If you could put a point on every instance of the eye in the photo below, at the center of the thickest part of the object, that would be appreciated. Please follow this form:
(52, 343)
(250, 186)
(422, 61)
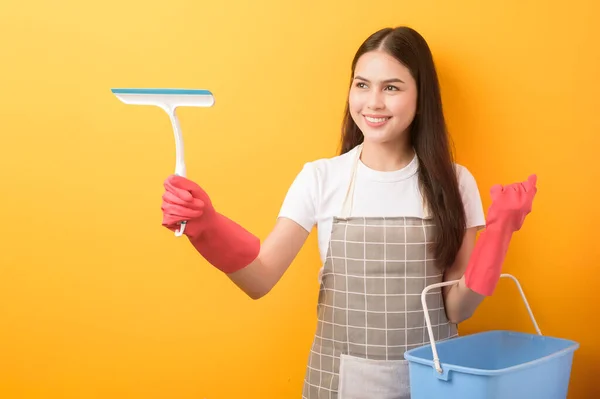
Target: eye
(392, 88)
(361, 85)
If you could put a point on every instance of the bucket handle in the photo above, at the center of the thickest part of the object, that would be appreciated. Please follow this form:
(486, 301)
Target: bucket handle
(436, 359)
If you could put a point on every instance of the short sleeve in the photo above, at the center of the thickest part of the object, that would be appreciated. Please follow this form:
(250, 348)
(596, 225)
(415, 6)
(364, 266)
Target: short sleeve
(471, 198)
(300, 203)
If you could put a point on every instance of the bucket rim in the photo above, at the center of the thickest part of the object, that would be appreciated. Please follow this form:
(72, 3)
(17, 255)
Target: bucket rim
(408, 355)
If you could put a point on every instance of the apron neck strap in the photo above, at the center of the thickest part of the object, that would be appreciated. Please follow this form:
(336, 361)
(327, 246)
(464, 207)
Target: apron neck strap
(348, 200)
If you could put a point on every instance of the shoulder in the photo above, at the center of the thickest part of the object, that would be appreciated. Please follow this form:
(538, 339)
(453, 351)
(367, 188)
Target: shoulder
(314, 186)
(333, 164)
(329, 170)
(464, 176)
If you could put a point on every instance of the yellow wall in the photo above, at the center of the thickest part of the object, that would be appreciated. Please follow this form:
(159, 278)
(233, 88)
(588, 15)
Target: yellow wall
(97, 300)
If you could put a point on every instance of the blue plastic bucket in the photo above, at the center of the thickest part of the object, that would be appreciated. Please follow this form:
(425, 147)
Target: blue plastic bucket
(491, 365)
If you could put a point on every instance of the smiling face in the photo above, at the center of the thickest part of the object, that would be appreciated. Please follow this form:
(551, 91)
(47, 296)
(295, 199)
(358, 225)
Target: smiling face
(383, 97)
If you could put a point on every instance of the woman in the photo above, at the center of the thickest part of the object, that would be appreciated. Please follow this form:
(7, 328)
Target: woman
(394, 214)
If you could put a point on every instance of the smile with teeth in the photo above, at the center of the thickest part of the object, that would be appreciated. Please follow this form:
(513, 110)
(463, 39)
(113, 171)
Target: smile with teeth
(376, 120)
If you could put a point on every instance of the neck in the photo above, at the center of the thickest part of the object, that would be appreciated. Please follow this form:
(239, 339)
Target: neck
(386, 157)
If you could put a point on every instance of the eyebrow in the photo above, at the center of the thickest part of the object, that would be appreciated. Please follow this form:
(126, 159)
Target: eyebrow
(385, 81)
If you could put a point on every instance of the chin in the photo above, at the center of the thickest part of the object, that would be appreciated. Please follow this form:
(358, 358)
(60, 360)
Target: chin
(378, 137)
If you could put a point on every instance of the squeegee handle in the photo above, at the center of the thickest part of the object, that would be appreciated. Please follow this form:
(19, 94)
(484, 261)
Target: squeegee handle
(179, 155)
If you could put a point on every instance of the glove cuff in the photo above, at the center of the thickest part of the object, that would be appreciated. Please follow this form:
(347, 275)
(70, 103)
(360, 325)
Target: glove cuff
(226, 245)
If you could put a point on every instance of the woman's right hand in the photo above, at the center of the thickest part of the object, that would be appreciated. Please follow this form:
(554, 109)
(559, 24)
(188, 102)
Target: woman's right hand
(221, 241)
(184, 200)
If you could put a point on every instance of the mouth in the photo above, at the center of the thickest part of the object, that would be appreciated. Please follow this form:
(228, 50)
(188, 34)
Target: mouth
(376, 120)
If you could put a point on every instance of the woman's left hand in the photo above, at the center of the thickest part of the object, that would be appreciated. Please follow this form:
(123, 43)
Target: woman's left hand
(511, 204)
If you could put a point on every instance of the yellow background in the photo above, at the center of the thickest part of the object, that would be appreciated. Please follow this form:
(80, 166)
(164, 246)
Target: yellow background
(97, 300)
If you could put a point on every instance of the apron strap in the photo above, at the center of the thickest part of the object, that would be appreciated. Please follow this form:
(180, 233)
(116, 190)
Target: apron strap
(348, 200)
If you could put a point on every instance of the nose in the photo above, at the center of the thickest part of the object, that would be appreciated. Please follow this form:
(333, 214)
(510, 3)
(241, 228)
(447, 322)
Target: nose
(375, 100)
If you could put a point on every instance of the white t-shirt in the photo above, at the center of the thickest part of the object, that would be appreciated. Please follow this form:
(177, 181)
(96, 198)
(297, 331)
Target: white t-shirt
(318, 192)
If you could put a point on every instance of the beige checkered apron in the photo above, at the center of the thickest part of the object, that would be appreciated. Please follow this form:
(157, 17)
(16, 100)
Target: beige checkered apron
(369, 306)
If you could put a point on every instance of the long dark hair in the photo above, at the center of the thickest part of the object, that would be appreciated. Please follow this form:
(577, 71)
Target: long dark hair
(428, 136)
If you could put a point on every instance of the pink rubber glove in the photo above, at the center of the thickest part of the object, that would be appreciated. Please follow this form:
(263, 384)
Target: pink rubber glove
(510, 205)
(222, 242)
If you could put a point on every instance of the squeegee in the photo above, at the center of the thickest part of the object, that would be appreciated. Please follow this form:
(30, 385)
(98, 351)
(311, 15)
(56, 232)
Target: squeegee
(169, 100)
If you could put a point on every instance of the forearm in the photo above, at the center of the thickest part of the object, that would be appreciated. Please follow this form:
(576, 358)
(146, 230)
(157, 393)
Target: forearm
(485, 263)
(276, 255)
(485, 259)
(461, 302)
(257, 279)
